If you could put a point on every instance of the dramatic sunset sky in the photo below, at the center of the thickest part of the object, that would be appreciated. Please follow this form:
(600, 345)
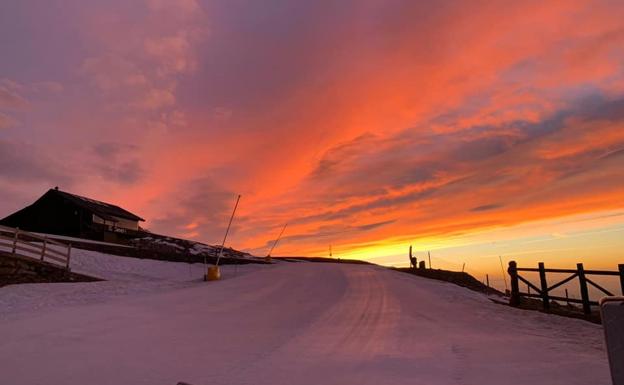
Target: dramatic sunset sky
(472, 129)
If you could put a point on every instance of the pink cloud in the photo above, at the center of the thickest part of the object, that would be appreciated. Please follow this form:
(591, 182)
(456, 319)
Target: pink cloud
(10, 97)
(6, 121)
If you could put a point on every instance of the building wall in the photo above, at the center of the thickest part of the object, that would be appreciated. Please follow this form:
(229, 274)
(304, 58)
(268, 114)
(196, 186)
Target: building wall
(100, 221)
(127, 224)
(118, 223)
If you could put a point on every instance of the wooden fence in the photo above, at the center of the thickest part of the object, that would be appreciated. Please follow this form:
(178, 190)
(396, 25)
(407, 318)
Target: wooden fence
(543, 290)
(25, 244)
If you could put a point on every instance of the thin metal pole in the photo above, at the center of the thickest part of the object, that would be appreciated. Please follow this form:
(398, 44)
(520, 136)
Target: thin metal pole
(503, 270)
(226, 232)
(429, 253)
(277, 240)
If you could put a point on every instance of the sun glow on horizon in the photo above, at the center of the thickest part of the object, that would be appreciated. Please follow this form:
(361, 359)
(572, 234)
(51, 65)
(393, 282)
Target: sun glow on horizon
(528, 243)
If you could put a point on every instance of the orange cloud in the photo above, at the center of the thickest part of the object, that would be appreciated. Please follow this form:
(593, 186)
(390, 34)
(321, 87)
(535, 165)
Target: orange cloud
(359, 123)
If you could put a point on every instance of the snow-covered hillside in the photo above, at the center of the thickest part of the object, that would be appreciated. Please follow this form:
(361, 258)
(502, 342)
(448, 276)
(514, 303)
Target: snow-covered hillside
(291, 323)
(123, 276)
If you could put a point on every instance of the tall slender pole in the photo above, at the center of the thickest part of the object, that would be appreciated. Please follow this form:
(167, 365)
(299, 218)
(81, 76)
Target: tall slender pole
(277, 240)
(429, 253)
(226, 232)
(330, 253)
(503, 270)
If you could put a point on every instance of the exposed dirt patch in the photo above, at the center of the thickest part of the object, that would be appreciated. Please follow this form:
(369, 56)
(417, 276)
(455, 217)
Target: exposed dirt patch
(17, 269)
(457, 277)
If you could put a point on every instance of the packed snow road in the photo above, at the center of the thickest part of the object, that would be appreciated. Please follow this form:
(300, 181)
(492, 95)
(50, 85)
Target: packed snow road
(296, 323)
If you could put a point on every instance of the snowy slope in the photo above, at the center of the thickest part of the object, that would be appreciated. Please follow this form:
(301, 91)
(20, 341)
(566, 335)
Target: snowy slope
(290, 323)
(123, 276)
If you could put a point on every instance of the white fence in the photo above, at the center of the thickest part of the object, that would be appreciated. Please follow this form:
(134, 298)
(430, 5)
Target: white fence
(25, 244)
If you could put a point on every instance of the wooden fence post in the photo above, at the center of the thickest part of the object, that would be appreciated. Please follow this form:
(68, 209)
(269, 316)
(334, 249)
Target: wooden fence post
(68, 255)
(514, 299)
(567, 298)
(15, 240)
(583, 285)
(621, 269)
(544, 286)
(43, 249)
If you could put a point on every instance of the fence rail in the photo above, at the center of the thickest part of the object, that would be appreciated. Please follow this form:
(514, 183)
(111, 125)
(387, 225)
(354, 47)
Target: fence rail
(26, 244)
(543, 291)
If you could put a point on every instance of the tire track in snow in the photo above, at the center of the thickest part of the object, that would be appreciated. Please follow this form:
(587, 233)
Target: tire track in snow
(359, 326)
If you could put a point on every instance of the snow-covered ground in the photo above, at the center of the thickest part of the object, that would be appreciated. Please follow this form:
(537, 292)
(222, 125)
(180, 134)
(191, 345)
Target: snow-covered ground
(122, 276)
(290, 323)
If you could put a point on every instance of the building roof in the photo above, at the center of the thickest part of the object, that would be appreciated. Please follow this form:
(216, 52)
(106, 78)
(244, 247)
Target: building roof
(104, 210)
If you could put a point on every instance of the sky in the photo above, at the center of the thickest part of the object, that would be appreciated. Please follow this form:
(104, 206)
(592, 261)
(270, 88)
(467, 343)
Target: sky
(472, 129)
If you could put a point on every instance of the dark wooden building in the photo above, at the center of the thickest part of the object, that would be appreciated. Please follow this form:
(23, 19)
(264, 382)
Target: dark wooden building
(61, 213)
